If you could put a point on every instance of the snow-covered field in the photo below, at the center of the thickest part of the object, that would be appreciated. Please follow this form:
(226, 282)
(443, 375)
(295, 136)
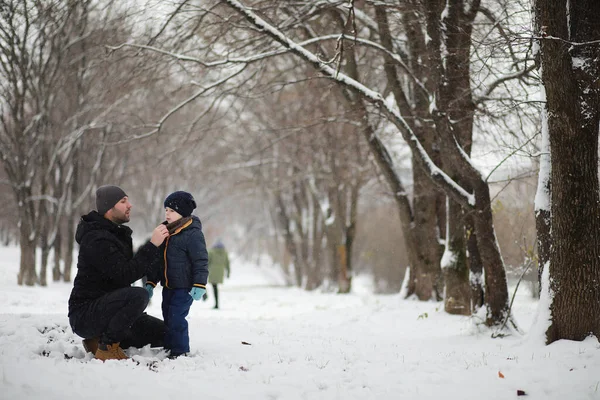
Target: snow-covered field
(302, 346)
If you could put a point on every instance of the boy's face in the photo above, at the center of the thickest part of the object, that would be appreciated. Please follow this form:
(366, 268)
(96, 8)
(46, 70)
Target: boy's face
(172, 215)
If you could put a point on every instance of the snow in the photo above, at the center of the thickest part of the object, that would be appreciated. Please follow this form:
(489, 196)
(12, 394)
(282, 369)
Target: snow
(543, 199)
(542, 319)
(448, 258)
(303, 345)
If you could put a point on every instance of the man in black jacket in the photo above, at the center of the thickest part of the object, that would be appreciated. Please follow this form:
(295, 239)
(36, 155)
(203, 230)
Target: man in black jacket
(104, 308)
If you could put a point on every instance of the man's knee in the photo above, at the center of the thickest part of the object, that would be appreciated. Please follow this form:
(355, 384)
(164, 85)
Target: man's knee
(138, 298)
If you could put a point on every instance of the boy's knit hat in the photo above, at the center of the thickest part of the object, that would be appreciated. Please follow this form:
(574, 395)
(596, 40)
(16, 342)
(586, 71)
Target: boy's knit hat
(182, 202)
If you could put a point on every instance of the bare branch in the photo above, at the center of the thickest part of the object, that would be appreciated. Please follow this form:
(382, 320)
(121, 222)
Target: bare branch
(170, 113)
(439, 177)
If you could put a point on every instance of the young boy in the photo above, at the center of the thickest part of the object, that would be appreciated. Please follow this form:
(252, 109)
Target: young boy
(184, 272)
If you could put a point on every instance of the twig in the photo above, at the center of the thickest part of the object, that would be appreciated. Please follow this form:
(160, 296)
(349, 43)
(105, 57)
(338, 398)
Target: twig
(512, 300)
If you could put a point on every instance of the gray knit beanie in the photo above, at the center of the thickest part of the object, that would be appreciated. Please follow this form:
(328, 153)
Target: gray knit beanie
(107, 196)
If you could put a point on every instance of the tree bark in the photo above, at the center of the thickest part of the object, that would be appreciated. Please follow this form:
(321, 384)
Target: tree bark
(570, 73)
(57, 257)
(27, 274)
(422, 233)
(45, 249)
(454, 264)
(425, 275)
(475, 267)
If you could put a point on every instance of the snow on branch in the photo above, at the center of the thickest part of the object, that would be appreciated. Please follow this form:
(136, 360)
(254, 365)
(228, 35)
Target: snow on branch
(277, 52)
(458, 193)
(549, 37)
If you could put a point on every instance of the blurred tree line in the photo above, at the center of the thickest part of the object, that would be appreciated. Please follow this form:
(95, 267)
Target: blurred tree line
(284, 150)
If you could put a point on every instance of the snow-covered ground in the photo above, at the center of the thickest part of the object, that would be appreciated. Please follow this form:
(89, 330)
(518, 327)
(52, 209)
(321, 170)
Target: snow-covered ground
(301, 346)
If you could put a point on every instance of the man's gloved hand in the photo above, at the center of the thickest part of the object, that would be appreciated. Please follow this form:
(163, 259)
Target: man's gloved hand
(197, 293)
(150, 290)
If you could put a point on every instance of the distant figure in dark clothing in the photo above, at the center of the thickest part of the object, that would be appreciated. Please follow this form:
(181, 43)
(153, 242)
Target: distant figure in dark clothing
(104, 308)
(218, 266)
(184, 272)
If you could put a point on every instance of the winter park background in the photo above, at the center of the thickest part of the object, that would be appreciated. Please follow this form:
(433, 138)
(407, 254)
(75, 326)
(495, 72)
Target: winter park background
(408, 189)
(303, 345)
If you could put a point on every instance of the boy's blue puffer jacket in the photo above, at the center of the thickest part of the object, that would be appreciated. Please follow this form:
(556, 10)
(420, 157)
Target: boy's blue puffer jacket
(185, 261)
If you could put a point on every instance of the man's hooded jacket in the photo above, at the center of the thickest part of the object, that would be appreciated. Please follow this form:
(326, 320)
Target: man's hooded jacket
(106, 261)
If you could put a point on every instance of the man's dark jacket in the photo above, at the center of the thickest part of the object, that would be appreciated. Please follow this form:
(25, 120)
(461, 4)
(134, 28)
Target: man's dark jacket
(106, 261)
(184, 257)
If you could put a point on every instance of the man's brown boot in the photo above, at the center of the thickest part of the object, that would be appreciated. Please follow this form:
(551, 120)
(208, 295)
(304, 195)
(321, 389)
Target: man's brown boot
(110, 352)
(91, 345)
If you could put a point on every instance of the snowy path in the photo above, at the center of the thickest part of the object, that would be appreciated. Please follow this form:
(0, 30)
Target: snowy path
(302, 346)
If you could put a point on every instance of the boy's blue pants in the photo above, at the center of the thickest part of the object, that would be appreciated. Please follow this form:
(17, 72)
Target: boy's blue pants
(175, 307)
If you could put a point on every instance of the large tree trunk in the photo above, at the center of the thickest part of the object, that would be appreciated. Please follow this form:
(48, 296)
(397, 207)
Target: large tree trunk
(570, 78)
(575, 254)
(496, 289)
(400, 195)
(425, 275)
(419, 224)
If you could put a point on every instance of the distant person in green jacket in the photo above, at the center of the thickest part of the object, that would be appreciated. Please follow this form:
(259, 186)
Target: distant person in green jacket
(218, 266)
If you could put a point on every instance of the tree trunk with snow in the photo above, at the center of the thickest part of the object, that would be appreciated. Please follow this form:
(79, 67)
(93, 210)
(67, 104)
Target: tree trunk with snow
(425, 276)
(450, 24)
(496, 289)
(420, 230)
(569, 54)
(454, 264)
(543, 201)
(350, 227)
(476, 280)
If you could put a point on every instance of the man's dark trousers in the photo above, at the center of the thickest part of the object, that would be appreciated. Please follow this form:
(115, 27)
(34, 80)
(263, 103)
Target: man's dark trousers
(119, 317)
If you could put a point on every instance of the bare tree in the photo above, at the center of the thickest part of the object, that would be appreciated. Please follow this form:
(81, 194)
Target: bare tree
(441, 107)
(433, 109)
(34, 38)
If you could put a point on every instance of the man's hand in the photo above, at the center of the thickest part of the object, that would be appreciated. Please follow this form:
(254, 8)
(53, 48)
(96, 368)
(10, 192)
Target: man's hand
(159, 235)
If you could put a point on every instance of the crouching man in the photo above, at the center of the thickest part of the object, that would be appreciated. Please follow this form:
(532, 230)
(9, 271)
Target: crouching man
(104, 308)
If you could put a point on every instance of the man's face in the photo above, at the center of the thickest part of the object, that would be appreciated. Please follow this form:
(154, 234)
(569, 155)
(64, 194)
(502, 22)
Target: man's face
(119, 214)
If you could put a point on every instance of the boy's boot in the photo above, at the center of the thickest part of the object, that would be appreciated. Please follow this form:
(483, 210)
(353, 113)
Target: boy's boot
(91, 345)
(175, 356)
(110, 352)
